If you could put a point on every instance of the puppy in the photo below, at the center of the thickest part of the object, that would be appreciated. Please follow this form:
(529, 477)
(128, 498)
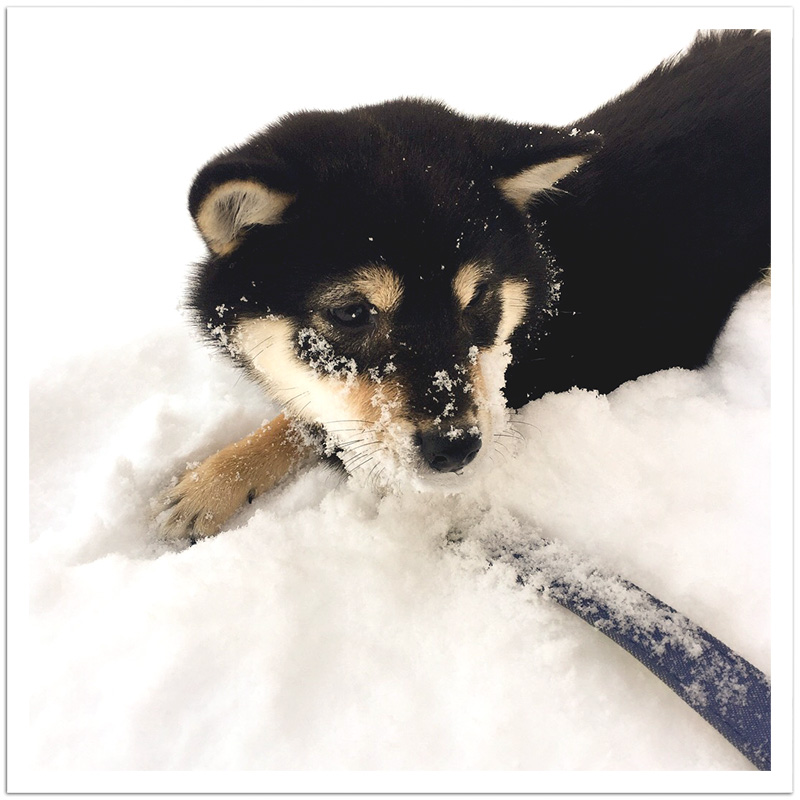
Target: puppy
(396, 275)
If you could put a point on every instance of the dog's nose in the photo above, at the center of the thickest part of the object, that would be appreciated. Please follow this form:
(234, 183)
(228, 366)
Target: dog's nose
(448, 453)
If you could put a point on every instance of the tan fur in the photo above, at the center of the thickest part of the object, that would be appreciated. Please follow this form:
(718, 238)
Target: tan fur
(378, 427)
(234, 205)
(480, 392)
(380, 286)
(207, 495)
(354, 409)
(514, 296)
(374, 283)
(268, 344)
(466, 282)
(520, 188)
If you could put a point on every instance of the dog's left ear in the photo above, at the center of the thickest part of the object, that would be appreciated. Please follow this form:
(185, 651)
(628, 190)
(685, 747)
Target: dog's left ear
(521, 188)
(530, 168)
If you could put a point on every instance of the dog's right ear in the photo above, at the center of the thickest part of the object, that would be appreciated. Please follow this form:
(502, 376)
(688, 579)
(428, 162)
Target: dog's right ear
(226, 203)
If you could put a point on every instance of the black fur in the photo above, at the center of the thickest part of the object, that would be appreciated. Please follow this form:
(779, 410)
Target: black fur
(409, 184)
(662, 231)
(651, 241)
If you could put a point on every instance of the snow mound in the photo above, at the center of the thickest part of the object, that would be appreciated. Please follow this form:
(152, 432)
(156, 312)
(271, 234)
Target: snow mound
(330, 628)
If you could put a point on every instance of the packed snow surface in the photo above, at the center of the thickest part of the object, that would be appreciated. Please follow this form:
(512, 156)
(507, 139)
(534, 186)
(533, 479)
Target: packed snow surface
(329, 627)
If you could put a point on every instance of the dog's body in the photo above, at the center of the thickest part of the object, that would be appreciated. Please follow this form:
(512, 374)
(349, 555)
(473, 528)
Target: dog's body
(371, 267)
(661, 231)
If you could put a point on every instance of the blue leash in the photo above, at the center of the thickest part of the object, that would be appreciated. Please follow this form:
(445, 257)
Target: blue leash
(727, 691)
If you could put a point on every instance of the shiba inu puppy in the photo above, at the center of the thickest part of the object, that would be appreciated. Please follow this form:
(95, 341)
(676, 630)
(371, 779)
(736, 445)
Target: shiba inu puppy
(396, 275)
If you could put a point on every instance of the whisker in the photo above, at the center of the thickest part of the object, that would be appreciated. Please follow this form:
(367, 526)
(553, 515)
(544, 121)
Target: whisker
(377, 464)
(297, 396)
(374, 440)
(253, 357)
(348, 462)
(299, 413)
(249, 354)
(520, 422)
(365, 459)
(503, 446)
(511, 435)
(359, 446)
(515, 440)
(503, 456)
(353, 442)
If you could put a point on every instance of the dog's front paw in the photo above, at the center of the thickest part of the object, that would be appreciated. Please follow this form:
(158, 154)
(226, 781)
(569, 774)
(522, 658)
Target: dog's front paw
(210, 493)
(201, 502)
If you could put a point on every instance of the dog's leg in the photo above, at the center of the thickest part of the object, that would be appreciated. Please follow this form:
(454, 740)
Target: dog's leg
(207, 495)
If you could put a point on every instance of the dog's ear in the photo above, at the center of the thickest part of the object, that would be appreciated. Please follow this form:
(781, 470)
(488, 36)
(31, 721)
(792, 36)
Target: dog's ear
(227, 199)
(533, 159)
(523, 186)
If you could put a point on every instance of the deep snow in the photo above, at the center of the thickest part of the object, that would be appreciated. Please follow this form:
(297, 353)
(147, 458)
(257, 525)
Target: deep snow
(329, 628)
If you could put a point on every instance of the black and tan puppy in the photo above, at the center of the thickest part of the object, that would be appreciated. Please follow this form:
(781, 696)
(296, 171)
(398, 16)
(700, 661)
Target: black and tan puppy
(378, 269)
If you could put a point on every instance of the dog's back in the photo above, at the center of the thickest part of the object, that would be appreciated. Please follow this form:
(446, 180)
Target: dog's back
(664, 228)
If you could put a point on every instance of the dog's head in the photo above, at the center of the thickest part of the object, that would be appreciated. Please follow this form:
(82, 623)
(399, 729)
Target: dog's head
(369, 266)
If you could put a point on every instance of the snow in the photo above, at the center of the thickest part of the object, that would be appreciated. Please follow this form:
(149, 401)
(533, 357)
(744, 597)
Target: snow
(330, 628)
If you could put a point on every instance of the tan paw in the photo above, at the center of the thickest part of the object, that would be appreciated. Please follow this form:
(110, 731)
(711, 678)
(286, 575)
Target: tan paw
(201, 502)
(210, 493)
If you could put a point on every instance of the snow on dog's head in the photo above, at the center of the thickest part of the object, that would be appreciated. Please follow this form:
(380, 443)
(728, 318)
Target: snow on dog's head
(369, 267)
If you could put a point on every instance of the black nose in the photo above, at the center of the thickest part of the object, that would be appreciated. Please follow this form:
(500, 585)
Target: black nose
(449, 453)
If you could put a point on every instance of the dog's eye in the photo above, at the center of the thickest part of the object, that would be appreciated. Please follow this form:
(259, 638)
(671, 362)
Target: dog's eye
(480, 293)
(353, 315)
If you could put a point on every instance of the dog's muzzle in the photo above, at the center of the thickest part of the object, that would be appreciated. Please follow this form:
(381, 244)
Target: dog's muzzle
(448, 453)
